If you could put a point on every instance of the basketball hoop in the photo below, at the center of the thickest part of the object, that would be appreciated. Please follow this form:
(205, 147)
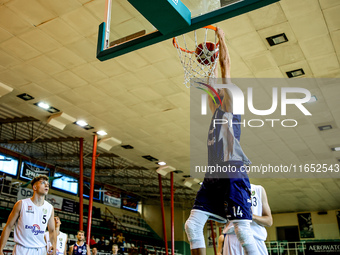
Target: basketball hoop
(198, 59)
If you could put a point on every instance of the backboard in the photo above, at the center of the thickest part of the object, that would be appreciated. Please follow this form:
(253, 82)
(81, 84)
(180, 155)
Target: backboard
(133, 24)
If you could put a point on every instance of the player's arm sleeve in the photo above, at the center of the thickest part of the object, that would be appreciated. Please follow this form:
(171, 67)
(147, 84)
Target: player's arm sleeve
(266, 219)
(220, 245)
(10, 224)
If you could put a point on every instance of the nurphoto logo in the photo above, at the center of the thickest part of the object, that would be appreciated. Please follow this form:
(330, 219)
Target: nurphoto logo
(238, 103)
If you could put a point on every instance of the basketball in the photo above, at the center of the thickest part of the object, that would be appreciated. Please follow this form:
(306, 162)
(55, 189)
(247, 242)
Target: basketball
(206, 53)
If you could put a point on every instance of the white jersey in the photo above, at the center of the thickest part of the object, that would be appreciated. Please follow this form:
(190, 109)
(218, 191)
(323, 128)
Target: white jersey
(61, 242)
(31, 225)
(259, 232)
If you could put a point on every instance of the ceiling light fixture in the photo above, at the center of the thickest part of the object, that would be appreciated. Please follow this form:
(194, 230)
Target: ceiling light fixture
(101, 132)
(53, 110)
(336, 148)
(277, 39)
(43, 105)
(161, 163)
(47, 107)
(83, 124)
(127, 146)
(150, 158)
(25, 97)
(295, 73)
(325, 127)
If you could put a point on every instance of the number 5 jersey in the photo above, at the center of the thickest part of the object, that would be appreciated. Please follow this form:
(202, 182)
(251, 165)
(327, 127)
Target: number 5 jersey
(32, 223)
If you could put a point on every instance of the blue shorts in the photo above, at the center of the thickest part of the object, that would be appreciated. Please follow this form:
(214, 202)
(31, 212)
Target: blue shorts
(229, 198)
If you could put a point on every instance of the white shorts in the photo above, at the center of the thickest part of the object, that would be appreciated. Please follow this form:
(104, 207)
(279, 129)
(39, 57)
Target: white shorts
(233, 247)
(21, 250)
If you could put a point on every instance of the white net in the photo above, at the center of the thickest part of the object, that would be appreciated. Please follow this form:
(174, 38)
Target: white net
(198, 58)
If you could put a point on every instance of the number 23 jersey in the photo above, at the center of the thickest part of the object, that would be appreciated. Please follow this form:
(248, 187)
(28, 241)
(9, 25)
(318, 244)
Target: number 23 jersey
(32, 222)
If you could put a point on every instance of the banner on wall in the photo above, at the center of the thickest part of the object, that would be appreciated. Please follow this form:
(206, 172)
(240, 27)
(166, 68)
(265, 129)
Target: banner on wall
(24, 193)
(111, 200)
(210, 237)
(30, 170)
(317, 248)
(56, 201)
(305, 225)
(68, 205)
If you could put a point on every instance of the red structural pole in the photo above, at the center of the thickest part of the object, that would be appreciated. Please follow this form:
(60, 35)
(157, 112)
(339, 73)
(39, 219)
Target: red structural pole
(93, 169)
(172, 214)
(163, 215)
(213, 235)
(81, 182)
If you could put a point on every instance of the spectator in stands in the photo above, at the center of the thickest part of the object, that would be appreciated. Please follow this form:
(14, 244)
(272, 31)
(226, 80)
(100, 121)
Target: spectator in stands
(113, 239)
(93, 245)
(92, 242)
(116, 250)
(120, 240)
(101, 244)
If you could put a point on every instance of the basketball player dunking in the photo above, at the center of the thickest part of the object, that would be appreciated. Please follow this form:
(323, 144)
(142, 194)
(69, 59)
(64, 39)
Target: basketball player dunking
(80, 247)
(30, 217)
(61, 238)
(224, 195)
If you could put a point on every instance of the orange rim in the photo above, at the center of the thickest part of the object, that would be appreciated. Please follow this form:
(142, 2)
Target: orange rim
(174, 42)
(211, 27)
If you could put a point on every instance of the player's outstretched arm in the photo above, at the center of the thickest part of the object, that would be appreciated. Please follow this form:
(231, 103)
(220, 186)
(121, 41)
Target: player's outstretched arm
(224, 57)
(266, 219)
(220, 245)
(224, 60)
(51, 232)
(9, 225)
